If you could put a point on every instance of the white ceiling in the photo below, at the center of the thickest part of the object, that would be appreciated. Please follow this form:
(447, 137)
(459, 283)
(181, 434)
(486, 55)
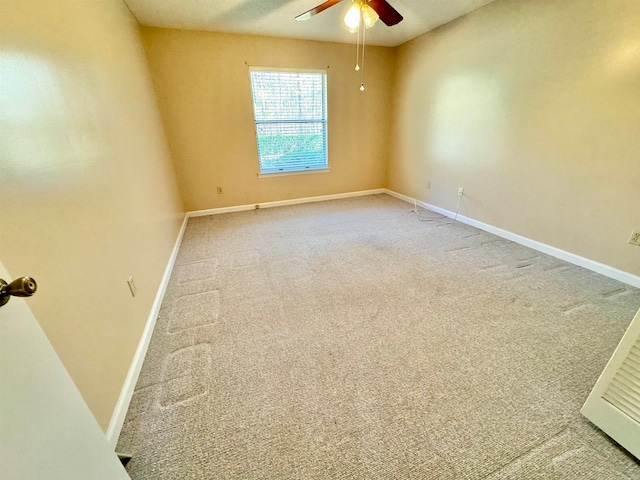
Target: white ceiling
(276, 18)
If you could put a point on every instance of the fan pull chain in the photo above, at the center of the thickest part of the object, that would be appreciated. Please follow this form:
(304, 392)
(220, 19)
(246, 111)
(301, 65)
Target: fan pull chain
(358, 49)
(364, 31)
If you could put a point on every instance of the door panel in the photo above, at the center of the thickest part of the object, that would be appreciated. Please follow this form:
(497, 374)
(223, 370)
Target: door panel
(46, 428)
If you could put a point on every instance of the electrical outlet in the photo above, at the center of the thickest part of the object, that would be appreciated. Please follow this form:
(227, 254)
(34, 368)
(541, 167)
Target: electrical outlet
(219, 190)
(460, 191)
(132, 286)
(429, 185)
(634, 239)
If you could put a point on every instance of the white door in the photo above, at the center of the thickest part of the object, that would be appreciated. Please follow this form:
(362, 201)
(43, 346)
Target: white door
(614, 403)
(46, 429)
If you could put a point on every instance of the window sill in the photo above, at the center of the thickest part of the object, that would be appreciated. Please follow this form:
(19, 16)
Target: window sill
(297, 172)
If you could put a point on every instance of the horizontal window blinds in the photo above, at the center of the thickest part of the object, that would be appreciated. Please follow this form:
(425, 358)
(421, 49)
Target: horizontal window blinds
(290, 111)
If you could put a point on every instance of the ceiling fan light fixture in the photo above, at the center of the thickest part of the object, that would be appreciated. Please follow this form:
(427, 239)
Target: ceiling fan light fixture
(369, 16)
(352, 18)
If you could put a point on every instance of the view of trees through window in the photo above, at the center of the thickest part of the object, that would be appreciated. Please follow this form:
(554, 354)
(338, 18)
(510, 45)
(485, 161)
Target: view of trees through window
(290, 112)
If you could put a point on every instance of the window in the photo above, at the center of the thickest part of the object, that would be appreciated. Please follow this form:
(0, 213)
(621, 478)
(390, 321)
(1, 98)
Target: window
(290, 110)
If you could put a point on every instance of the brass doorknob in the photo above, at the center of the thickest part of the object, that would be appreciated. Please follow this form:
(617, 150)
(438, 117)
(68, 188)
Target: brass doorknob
(20, 287)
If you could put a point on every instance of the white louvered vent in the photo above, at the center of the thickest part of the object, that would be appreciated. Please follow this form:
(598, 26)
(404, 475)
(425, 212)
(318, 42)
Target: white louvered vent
(614, 403)
(624, 390)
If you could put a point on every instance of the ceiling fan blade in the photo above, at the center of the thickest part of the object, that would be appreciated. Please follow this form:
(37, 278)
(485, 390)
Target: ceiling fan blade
(386, 12)
(318, 9)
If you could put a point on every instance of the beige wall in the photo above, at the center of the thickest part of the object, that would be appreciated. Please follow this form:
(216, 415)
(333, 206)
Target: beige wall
(203, 87)
(87, 191)
(534, 108)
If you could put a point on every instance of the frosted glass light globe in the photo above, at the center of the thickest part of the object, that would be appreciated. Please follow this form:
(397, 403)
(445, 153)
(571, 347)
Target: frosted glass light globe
(352, 18)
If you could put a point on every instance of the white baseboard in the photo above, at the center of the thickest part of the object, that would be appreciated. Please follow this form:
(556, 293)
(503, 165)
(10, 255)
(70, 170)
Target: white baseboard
(281, 203)
(120, 411)
(597, 267)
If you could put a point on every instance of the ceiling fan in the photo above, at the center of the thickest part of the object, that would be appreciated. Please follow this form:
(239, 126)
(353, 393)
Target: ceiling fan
(362, 14)
(369, 10)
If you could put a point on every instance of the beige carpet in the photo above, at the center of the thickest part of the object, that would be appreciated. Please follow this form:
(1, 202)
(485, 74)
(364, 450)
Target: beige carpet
(354, 340)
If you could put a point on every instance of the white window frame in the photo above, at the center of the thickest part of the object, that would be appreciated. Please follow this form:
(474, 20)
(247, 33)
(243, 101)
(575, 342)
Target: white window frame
(305, 169)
